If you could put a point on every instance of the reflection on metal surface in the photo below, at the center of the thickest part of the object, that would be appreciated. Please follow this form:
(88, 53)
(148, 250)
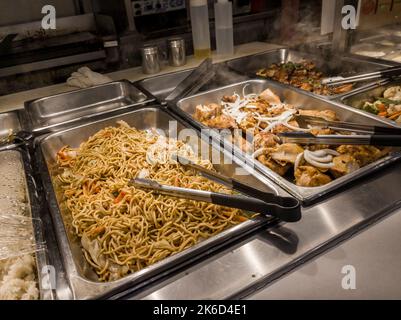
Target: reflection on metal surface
(329, 221)
(282, 238)
(68, 109)
(253, 257)
(229, 275)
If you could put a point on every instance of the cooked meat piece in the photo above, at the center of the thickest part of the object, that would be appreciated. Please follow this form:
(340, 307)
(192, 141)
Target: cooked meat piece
(282, 75)
(274, 112)
(344, 164)
(273, 165)
(262, 106)
(265, 140)
(248, 123)
(281, 128)
(362, 154)
(393, 93)
(230, 99)
(308, 176)
(329, 115)
(270, 97)
(393, 109)
(322, 131)
(206, 112)
(221, 122)
(309, 65)
(303, 75)
(342, 89)
(285, 153)
(315, 147)
(306, 86)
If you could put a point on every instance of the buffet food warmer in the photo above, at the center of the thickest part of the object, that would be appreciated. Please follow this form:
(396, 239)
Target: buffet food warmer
(330, 212)
(84, 283)
(24, 264)
(283, 65)
(186, 107)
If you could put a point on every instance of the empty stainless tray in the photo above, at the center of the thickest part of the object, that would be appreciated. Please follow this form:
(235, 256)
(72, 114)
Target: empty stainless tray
(161, 86)
(61, 110)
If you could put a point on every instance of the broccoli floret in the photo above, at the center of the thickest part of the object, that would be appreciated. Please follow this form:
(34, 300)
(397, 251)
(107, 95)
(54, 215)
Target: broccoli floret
(370, 107)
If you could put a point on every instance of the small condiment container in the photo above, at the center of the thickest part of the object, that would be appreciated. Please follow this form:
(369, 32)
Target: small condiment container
(150, 59)
(176, 52)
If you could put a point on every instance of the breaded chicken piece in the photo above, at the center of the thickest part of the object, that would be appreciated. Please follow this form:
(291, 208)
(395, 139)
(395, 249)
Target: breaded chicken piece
(344, 164)
(329, 115)
(308, 176)
(273, 165)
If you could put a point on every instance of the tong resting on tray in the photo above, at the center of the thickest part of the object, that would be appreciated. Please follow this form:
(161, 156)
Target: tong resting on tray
(381, 74)
(369, 135)
(285, 208)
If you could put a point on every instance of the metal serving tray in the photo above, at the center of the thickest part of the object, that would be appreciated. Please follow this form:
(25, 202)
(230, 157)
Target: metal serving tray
(9, 124)
(161, 86)
(380, 40)
(335, 66)
(71, 108)
(21, 158)
(83, 281)
(373, 47)
(186, 108)
(393, 30)
(356, 99)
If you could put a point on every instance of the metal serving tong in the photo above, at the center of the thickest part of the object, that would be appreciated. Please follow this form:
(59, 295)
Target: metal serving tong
(284, 208)
(201, 75)
(304, 121)
(380, 74)
(369, 135)
(16, 138)
(366, 139)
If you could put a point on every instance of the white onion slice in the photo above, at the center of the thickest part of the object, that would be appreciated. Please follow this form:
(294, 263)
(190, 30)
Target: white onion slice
(258, 152)
(316, 163)
(323, 158)
(298, 160)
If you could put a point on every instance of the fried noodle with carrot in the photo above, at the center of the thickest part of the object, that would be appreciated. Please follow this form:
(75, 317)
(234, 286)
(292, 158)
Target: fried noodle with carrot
(124, 229)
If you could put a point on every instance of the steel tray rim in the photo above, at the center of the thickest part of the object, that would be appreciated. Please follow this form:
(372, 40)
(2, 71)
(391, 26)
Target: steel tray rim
(366, 89)
(44, 129)
(41, 256)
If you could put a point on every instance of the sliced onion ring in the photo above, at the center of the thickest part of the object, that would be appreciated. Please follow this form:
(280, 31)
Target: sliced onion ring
(258, 152)
(316, 163)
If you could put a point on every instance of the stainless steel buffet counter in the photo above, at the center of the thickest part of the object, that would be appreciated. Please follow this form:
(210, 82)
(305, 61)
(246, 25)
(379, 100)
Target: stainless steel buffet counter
(377, 268)
(250, 262)
(266, 256)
